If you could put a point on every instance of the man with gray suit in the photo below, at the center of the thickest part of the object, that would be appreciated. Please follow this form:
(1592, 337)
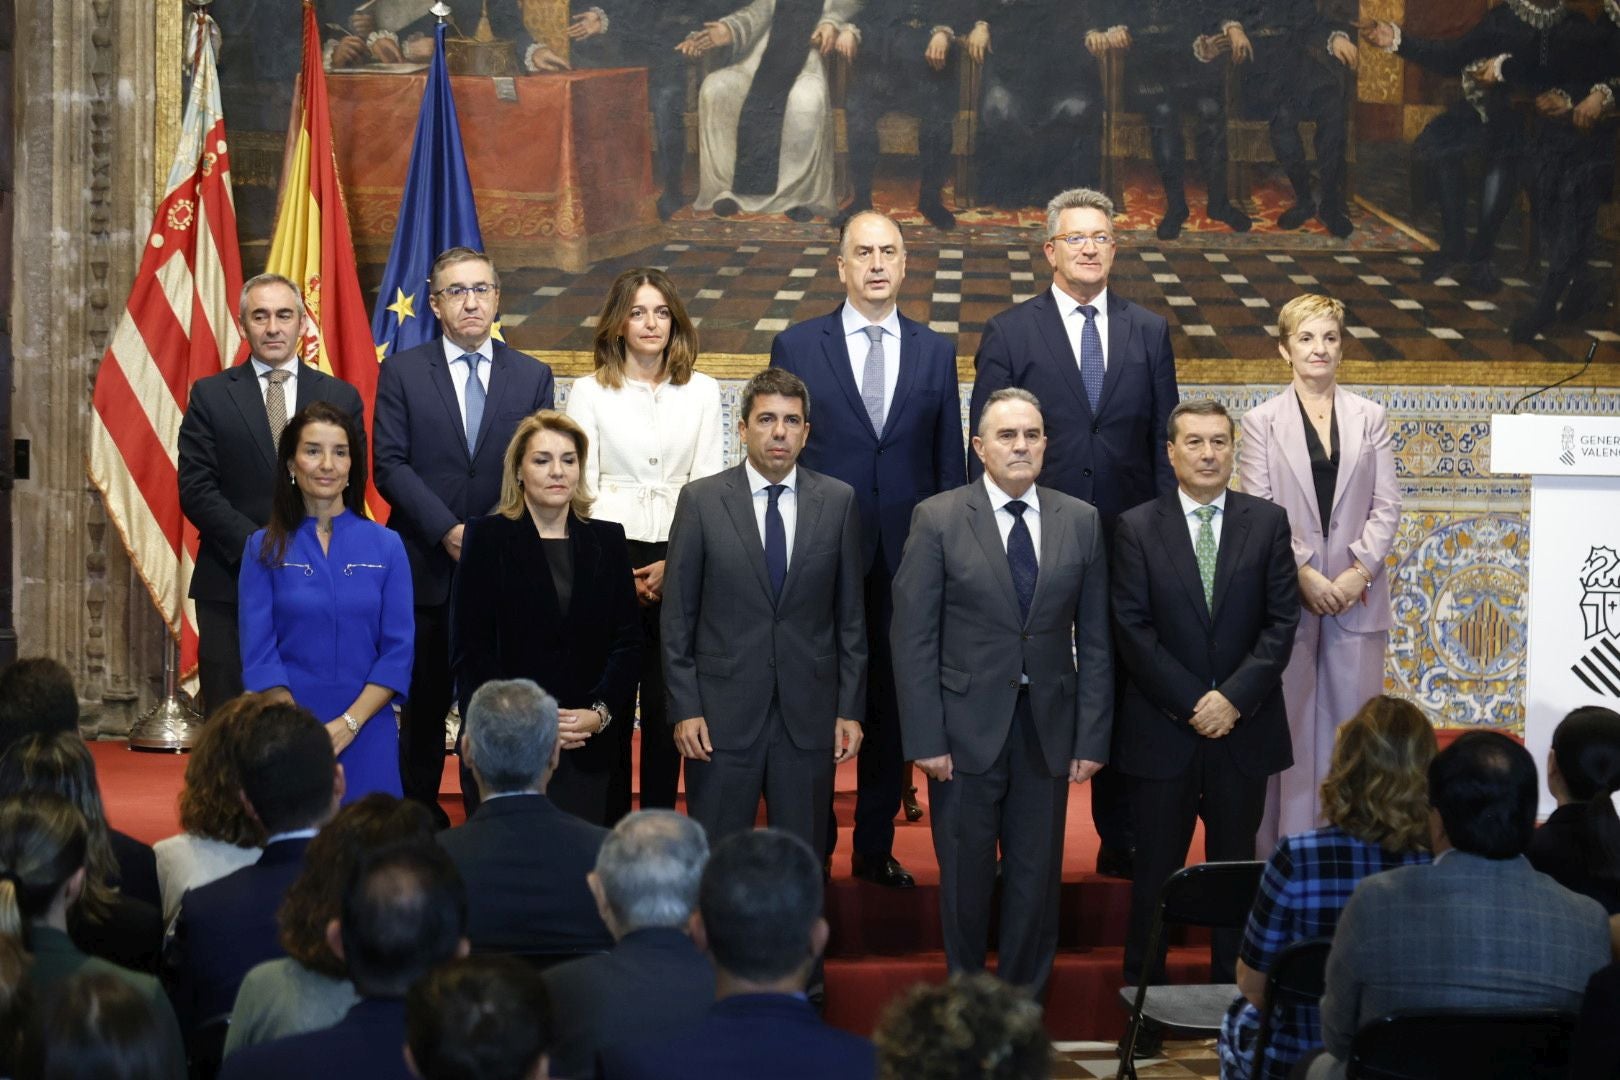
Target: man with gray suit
(1006, 687)
(764, 627)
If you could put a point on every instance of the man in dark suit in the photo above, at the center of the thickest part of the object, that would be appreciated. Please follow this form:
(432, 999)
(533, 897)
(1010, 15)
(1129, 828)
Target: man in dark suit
(523, 859)
(1002, 661)
(292, 784)
(656, 981)
(759, 916)
(1205, 600)
(404, 913)
(437, 470)
(764, 632)
(1102, 369)
(888, 424)
(227, 463)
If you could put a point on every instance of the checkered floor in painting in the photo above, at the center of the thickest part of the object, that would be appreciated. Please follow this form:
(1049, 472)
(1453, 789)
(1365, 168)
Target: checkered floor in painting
(1181, 1061)
(1220, 303)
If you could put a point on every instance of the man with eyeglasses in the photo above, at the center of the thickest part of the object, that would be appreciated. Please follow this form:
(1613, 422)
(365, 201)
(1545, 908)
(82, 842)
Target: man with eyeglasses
(445, 412)
(1106, 378)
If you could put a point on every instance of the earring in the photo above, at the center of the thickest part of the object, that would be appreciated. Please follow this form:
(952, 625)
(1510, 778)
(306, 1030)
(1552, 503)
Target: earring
(292, 479)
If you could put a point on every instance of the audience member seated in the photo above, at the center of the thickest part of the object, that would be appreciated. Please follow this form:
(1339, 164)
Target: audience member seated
(1579, 844)
(98, 1025)
(759, 917)
(16, 1000)
(655, 982)
(975, 1027)
(1479, 928)
(44, 855)
(105, 923)
(37, 697)
(220, 835)
(309, 988)
(483, 1016)
(524, 860)
(1595, 1049)
(1376, 800)
(292, 784)
(404, 912)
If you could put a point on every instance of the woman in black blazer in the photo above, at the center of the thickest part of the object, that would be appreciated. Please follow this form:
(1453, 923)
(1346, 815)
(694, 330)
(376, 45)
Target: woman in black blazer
(545, 593)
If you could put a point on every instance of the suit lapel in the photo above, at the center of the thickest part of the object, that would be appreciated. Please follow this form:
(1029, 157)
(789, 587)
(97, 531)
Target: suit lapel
(1234, 535)
(909, 361)
(810, 499)
(1178, 545)
(1050, 321)
(1120, 325)
(1053, 524)
(836, 350)
(439, 372)
(500, 370)
(1295, 449)
(244, 389)
(1348, 418)
(982, 523)
(739, 502)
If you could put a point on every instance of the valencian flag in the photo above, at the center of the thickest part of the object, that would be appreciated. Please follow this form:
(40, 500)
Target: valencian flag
(436, 214)
(312, 247)
(178, 326)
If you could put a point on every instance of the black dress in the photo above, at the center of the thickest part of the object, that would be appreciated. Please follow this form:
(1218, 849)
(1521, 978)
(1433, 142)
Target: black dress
(1324, 461)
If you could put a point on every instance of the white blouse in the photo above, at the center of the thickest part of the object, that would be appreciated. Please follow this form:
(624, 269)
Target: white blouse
(646, 443)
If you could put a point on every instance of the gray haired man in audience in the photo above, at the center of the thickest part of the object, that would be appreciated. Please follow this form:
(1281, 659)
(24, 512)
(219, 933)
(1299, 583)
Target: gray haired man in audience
(656, 981)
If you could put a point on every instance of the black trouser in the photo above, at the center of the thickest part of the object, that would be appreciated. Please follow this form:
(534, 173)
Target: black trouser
(660, 761)
(891, 75)
(1039, 132)
(1286, 91)
(1168, 82)
(421, 720)
(219, 654)
(1443, 152)
(1572, 173)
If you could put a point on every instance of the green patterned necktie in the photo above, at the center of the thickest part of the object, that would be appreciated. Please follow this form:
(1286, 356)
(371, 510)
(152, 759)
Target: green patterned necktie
(1204, 549)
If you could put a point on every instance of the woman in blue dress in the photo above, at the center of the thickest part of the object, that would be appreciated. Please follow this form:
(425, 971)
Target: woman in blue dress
(326, 613)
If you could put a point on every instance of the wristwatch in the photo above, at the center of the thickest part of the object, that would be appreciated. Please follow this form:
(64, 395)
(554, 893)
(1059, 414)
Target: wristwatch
(354, 725)
(605, 713)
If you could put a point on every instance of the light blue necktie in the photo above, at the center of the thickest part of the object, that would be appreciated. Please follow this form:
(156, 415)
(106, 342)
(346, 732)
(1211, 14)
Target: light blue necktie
(872, 379)
(475, 401)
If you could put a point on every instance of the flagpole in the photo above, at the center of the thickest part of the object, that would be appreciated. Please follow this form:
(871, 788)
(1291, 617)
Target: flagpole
(171, 725)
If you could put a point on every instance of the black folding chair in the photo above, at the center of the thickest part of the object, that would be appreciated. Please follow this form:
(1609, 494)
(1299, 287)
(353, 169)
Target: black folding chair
(1481, 1044)
(1295, 979)
(206, 1052)
(1217, 895)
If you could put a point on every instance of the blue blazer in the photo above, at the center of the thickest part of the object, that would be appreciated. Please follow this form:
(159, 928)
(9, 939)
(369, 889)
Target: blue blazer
(747, 1037)
(1114, 459)
(423, 468)
(368, 1042)
(920, 451)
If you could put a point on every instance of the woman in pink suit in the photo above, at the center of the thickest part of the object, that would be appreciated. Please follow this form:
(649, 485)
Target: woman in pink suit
(1324, 455)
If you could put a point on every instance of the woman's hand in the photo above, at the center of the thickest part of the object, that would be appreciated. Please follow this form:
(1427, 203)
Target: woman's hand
(1319, 595)
(576, 726)
(1352, 587)
(341, 735)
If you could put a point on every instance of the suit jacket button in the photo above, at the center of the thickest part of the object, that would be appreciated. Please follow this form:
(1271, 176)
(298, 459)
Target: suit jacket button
(1096, 428)
(1012, 684)
(1085, 472)
(1025, 636)
(472, 472)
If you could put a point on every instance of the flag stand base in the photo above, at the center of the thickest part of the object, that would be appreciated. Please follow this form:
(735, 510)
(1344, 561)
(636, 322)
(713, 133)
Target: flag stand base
(171, 725)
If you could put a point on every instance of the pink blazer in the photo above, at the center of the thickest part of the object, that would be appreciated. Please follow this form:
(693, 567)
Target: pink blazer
(1274, 463)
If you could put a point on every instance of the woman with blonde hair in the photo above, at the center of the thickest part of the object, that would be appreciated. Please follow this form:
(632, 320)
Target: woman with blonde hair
(655, 422)
(1376, 800)
(544, 592)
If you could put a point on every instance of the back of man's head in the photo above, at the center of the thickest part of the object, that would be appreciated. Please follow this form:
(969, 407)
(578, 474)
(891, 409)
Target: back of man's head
(284, 757)
(511, 733)
(1484, 787)
(648, 870)
(36, 697)
(404, 912)
(761, 901)
(480, 1018)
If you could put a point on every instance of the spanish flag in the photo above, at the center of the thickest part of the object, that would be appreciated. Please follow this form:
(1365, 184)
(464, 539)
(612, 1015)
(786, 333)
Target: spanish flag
(312, 245)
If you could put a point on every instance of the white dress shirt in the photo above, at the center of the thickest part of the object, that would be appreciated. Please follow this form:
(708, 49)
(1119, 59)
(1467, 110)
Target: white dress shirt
(458, 371)
(787, 504)
(1074, 322)
(1005, 518)
(1189, 508)
(858, 345)
(289, 389)
(646, 443)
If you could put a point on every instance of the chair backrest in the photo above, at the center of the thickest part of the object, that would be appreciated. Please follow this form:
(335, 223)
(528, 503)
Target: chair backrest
(1481, 1044)
(1296, 978)
(206, 1050)
(1213, 894)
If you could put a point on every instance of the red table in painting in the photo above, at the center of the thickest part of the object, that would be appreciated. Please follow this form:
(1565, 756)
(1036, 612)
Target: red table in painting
(562, 174)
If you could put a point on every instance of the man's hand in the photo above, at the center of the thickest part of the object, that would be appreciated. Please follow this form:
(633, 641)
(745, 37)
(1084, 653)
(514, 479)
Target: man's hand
(978, 42)
(939, 47)
(1242, 50)
(847, 736)
(387, 51)
(1081, 770)
(846, 44)
(1589, 111)
(692, 739)
(418, 49)
(935, 768)
(543, 59)
(650, 583)
(452, 541)
(1119, 37)
(1552, 103)
(1318, 593)
(362, 24)
(1343, 50)
(1483, 72)
(348, 52)
(714, 35)
(1378, 33)
(586, 24)
(575, 726)
(1096, 42)
(1214, 716)
(824, 37)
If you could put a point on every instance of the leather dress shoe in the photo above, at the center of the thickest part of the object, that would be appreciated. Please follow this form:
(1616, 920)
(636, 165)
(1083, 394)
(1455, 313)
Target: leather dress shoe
(726, 208)
(1149, 1042)
(937, 214)
(1116, 862)
(914, 810)
(881, 870)
(1296, 215)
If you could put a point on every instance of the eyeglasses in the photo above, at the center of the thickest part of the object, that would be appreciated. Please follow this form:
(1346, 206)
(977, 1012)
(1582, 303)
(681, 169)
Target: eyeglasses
(1076, 239)
(460, 292)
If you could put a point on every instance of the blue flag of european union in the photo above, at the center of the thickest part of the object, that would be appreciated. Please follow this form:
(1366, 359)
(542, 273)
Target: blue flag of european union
(436, 213)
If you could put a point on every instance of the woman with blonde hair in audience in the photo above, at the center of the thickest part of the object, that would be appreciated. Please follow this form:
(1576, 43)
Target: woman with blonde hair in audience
(105, 922)
(1325, 455)
(1376, 800)
(219, 835)
(655, 422)
(1578, 846)
(44, 856)
(309, 988)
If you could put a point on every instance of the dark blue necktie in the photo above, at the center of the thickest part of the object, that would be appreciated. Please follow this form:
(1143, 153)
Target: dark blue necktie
(1021, 558)
(1091, 356)
(775, 541)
